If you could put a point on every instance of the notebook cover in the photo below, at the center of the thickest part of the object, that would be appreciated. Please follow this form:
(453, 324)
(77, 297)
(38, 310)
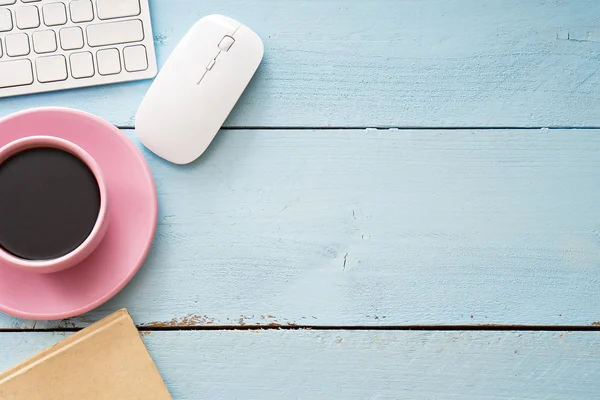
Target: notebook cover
(106, 361)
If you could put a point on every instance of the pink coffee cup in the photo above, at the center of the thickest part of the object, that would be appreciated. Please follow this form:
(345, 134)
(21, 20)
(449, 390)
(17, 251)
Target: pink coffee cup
(94, 238)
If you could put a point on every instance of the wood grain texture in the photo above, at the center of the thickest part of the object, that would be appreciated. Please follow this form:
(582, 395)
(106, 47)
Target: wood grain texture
(393, 63)
(363, 364)
(373, 227)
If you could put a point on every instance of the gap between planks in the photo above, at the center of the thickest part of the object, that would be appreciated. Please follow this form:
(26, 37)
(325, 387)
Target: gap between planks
(399, 128)
(471, 328)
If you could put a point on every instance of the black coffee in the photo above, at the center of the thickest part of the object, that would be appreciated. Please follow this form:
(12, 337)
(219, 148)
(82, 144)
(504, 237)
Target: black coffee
(49, 203)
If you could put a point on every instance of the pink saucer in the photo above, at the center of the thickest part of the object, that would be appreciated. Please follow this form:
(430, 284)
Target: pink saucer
(132, 219)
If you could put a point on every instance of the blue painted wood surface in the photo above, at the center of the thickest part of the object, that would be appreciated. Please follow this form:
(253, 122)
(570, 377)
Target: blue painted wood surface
(363, 227)
(365, 364)
(391, 63)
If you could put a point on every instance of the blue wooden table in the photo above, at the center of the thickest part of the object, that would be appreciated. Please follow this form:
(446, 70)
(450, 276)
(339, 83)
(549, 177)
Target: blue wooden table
(403, 204)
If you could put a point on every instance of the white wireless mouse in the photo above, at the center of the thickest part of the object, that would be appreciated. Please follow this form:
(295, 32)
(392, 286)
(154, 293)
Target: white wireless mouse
(197, 88)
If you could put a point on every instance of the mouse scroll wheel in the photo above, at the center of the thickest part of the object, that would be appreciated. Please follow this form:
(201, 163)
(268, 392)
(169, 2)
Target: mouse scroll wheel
(226, 43)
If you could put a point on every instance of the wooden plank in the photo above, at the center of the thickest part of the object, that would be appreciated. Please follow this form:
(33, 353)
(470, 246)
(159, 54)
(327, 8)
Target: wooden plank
(363, 364)
(391, 63)
(373, 227)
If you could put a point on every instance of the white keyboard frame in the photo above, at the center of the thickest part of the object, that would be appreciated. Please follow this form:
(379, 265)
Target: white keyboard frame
(70, 82)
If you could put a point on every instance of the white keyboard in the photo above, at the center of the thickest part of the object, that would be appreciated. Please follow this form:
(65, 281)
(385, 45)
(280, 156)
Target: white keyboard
(50, 45)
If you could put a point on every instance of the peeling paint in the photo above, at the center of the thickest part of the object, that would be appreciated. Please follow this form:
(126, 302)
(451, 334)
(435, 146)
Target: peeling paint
(160, 39)
(187, 321)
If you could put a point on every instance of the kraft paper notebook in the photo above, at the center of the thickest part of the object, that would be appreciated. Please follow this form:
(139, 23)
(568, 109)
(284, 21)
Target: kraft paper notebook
(106, 361)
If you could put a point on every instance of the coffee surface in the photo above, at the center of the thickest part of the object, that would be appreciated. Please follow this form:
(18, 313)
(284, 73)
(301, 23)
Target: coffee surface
(49, 203)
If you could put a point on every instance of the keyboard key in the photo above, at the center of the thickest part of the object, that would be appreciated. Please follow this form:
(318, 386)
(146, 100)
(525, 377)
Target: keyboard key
(109, 61)
(0, 48)
(44, 41)
(51, 68)
(15, 73)
(17, 44)
(7, 2)
(82, 65)
(54, 14)
(27, 17)
(30, 1)
(108, 9)
(135, 58)
(6, 23)
(71, 38)
(81, 11)
(115, 33)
